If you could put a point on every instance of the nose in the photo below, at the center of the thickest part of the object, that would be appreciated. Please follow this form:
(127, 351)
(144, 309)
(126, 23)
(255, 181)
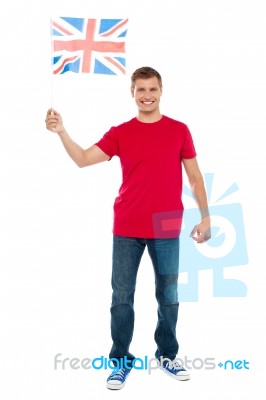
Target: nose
(147, 95)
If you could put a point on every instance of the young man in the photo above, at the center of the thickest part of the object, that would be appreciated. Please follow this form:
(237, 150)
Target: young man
(147, 213)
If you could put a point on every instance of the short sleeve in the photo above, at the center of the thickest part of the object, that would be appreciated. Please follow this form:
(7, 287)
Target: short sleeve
(109, 143)
(188, 148)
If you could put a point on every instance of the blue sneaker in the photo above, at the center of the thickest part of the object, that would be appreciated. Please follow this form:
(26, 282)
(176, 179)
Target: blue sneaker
(174, 369)
(117, 379)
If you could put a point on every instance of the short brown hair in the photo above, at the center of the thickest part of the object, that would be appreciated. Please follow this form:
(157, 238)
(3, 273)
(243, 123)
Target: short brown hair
(145, 73)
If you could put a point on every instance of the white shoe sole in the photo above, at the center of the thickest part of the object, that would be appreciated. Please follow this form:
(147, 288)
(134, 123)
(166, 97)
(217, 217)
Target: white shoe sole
(177, 377)
(113, 386)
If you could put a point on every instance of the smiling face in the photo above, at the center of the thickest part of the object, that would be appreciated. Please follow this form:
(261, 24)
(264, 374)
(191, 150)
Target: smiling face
(147, 94)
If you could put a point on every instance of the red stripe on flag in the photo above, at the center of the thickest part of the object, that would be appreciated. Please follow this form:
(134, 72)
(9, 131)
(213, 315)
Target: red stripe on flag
(61, 29)
(64, 63)
(114, 29)
(116, 64)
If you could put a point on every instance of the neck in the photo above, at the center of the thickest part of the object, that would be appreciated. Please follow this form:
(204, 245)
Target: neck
(149, 117)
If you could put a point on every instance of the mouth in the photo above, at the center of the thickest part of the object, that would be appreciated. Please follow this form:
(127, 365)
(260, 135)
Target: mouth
(147, 103)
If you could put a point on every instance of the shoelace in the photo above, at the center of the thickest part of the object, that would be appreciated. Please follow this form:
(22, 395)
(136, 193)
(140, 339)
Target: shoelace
(120, 374)
(175, 365)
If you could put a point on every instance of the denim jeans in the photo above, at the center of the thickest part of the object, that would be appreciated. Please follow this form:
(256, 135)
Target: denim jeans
(127, 253)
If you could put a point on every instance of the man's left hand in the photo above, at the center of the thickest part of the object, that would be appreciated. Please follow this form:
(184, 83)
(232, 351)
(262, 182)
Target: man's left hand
(202, 231)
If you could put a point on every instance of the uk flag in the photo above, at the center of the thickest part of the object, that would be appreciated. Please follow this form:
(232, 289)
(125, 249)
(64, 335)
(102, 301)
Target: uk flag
(85, 45)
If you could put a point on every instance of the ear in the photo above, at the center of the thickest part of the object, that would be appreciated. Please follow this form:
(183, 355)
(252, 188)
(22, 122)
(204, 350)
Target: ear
(132, 91)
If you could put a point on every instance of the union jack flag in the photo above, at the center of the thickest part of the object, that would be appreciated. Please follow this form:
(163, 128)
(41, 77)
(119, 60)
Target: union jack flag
(88, 45)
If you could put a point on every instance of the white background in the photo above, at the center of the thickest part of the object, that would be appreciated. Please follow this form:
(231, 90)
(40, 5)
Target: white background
(56, 219)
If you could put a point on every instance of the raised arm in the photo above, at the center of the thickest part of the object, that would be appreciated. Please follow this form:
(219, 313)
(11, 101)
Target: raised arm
(201, 231)
(82, 157)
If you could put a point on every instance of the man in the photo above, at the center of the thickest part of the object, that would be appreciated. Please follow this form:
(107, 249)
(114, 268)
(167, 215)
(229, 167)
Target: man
(147, 213)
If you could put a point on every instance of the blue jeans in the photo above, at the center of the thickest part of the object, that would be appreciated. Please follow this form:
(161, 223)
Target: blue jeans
(127, 253)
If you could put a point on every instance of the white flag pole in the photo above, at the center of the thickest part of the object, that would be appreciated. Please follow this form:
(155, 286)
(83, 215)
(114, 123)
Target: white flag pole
(52, 72)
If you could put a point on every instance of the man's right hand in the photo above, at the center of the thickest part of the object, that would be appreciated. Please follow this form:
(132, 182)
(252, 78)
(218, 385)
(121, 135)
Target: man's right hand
(54, 122)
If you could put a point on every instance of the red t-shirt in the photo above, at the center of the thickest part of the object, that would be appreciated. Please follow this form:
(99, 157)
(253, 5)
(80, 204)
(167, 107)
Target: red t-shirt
(149, 203)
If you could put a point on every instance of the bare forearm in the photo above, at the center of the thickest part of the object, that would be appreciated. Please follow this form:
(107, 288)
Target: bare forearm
(80, 156)
(202, 231)
(76, 152)
(199, 193)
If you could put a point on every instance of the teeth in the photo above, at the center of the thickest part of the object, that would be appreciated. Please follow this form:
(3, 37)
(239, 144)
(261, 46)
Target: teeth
(147, 102)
